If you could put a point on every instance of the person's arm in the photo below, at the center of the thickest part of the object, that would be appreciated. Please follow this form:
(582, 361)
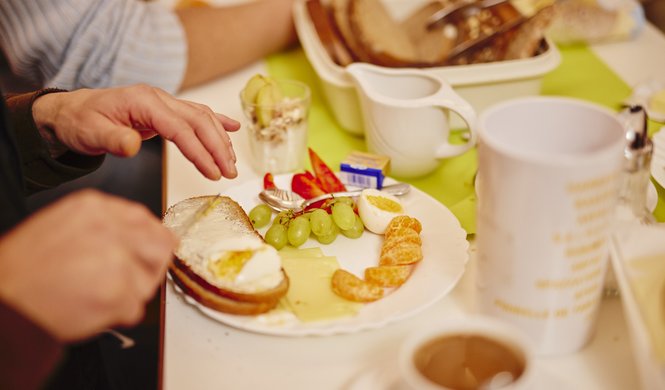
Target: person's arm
(93, 43)
(116, 120)
(28, 353)
(45, 162)
(223, 39)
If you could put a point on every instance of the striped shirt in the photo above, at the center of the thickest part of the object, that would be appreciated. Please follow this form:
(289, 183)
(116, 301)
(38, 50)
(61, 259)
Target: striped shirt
(93, 43)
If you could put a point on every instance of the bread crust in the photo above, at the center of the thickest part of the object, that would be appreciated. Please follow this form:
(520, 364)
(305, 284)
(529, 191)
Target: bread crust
(215, 297)
(217, 302)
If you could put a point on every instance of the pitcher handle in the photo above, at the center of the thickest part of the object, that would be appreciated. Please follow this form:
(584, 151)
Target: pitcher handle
(447, 98)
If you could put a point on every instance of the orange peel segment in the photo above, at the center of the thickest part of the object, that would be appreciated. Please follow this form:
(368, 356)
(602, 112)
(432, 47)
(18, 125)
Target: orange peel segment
(351, 287)
(388, 276)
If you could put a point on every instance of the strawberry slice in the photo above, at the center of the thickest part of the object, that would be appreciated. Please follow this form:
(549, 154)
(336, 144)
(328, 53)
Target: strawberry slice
(313, 178)
(329, 182)
(268, 182)
(303, 185)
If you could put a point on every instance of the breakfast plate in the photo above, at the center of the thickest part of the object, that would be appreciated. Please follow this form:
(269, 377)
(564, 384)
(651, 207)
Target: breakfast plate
(445, 256)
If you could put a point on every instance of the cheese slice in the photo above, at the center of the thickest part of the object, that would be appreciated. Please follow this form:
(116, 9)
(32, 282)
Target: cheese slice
(310, 296)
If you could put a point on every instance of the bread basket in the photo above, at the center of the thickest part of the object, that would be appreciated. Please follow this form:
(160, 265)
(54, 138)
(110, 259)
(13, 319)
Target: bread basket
(480, 84)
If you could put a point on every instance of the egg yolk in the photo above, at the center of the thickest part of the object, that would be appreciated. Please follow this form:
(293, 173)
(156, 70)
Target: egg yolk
(384, 204)
(229, 265)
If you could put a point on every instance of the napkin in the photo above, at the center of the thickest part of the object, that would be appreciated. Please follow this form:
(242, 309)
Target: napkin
(581, 75)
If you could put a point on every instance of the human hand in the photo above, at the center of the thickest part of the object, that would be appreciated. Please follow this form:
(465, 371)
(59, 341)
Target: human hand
(85, 263)
(96, 121)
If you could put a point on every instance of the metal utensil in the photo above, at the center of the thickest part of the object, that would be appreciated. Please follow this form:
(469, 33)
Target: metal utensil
(282, 200)
(197, 215)
(442, 16)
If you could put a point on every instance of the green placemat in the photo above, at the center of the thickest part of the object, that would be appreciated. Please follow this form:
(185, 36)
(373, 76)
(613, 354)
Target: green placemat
(581, 75)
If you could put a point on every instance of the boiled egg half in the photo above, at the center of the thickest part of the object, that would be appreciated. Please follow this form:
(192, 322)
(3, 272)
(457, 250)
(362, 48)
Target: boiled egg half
(377, 209)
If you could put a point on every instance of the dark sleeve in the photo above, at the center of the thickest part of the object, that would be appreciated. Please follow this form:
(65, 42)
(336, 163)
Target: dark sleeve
(27, 353)
(41, 171)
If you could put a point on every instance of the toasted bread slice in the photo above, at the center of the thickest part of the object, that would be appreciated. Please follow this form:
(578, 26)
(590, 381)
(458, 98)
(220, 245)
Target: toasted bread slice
(432, 45)
(329, 35)
(220, 232)
(529, 37)
(340, 15)
(381, 36)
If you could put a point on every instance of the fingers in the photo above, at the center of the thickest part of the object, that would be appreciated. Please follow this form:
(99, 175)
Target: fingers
(228, 123)
(209, 131)
(119, 140)
(116, 120)
(144, 236)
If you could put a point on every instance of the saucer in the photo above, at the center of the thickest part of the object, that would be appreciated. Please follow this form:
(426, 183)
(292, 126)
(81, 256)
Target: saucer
(384, 375)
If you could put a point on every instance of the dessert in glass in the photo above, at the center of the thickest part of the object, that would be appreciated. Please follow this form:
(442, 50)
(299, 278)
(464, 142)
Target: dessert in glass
(277, 112)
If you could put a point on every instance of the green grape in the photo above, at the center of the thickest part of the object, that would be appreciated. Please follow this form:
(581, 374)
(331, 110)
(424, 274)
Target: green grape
(283, 217)
(343, 215)
(330, 237)
(298, 231)
(276, 236)
(260, 216)
(356, 230)
(321, 222)
(345, 199)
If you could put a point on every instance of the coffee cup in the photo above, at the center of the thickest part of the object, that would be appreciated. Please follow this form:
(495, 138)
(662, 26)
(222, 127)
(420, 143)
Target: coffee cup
(472, 352)
(406, 117)
(549, 171)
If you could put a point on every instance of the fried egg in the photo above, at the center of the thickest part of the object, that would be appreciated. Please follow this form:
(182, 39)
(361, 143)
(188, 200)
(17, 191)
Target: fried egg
(235, 262)
(377, 209)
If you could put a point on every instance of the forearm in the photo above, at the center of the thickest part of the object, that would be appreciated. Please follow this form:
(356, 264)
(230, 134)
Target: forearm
(93, 43)
(27, 353)
(45, 162)
(223, 39)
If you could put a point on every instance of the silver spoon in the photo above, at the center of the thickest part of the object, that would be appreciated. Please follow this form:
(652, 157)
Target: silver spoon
(281, 200)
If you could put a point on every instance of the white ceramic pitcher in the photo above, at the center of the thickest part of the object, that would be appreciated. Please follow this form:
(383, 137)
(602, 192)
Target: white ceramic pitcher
(405, 112)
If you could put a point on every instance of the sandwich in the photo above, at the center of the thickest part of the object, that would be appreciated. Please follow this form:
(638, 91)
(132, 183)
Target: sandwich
(222, 261)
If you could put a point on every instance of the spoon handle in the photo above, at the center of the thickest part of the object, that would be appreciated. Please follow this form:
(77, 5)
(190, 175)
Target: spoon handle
(393, 189)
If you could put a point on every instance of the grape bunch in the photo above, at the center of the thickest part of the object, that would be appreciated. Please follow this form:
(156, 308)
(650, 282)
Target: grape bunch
(335, 216)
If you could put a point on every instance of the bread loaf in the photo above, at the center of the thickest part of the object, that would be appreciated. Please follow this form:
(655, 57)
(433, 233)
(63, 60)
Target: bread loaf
(222, 262)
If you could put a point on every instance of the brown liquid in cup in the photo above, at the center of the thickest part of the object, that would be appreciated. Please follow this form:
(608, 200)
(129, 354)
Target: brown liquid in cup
(468, 362)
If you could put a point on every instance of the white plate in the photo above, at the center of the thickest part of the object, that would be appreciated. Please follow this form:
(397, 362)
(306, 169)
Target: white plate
(658, 159)
(642, 94)
(444, 259)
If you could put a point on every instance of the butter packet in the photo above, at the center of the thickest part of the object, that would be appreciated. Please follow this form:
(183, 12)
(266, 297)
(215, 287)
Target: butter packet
(365, 170)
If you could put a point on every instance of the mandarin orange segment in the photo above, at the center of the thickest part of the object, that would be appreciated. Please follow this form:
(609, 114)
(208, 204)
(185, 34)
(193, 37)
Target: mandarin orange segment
(351, 287)
(402, 254)
(402, 236)
(389, 275)
(403, 221)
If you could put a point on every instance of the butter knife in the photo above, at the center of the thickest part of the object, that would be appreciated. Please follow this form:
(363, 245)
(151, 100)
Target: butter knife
(201, 212)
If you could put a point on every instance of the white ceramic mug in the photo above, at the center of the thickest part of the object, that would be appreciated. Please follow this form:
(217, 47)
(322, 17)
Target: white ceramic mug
(548, 174)
(405, 113)
(441, 365)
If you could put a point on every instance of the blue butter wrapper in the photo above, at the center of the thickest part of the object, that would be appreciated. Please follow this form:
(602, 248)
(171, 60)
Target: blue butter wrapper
(364, 170)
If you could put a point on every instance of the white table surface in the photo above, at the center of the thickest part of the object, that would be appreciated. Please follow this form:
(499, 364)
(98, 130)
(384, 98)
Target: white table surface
(201, 353)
